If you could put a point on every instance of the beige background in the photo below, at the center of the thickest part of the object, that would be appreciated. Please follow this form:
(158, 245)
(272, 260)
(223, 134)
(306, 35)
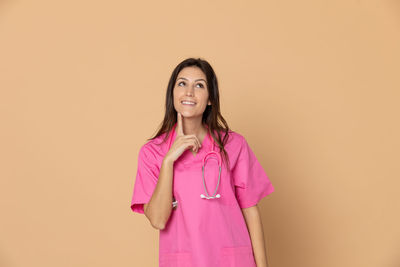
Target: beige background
(312, 85)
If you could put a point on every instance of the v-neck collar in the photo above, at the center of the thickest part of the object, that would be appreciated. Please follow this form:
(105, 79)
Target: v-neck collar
(203, 145)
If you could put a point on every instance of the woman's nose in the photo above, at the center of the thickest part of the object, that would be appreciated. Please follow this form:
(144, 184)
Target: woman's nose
(189, 91)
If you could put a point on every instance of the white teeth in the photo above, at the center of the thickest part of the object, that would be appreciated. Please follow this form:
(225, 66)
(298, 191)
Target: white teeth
(187, 102)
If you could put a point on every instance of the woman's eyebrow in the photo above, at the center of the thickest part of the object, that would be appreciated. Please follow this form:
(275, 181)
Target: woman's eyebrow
(194, 80)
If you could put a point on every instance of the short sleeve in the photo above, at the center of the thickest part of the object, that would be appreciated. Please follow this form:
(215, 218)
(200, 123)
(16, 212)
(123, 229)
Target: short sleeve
(251, 182)
(146, 180)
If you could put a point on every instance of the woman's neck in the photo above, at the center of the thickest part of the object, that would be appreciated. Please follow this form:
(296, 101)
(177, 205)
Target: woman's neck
(195, 127)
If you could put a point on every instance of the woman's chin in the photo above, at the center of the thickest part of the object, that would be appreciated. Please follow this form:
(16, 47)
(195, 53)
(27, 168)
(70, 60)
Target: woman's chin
(189, 114)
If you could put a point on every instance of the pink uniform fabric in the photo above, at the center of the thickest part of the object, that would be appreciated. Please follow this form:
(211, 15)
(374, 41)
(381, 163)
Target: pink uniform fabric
(204, 232)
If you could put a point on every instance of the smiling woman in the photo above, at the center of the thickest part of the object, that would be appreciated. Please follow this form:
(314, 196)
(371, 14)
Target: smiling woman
(205, 215)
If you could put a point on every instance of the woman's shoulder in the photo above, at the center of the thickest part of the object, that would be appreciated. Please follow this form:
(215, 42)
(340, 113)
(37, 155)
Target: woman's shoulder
(155, 147)
(234, 138)
(235, 135)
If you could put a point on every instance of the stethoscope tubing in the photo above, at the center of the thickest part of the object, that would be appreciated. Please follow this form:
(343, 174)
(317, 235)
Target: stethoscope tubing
(215, 195)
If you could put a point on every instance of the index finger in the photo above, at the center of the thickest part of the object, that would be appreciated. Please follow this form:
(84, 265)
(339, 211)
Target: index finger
(179, 127)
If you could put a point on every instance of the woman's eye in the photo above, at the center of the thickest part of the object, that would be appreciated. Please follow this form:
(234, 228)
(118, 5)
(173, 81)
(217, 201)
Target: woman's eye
(201, 85)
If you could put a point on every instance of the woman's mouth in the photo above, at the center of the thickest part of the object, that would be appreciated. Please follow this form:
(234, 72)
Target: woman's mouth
(188, 103)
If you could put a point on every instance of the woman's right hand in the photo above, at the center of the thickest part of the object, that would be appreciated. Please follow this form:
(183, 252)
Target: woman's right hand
(182, 142)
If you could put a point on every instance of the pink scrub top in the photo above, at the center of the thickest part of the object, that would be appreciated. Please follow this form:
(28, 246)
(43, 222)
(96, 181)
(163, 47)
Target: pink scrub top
(204, 232)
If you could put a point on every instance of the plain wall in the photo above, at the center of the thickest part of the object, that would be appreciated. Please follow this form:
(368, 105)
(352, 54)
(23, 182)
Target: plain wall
(312, 85)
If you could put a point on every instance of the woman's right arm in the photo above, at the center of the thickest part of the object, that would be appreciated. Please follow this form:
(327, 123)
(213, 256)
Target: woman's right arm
(159, 207)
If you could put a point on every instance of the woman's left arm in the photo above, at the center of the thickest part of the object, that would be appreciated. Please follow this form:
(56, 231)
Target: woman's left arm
(255, 227)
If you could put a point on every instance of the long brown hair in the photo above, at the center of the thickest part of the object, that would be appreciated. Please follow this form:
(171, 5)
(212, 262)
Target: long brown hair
(211, 116)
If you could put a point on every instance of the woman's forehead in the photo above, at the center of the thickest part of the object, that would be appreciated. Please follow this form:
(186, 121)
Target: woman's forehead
(191, 73)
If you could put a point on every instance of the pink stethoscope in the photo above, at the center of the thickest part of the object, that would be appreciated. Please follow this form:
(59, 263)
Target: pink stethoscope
(206, 157)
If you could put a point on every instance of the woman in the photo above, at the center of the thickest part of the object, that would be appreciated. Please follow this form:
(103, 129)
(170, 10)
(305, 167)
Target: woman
(207, 217)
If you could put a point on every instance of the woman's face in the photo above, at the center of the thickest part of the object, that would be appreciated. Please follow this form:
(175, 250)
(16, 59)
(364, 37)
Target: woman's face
(191, 86)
